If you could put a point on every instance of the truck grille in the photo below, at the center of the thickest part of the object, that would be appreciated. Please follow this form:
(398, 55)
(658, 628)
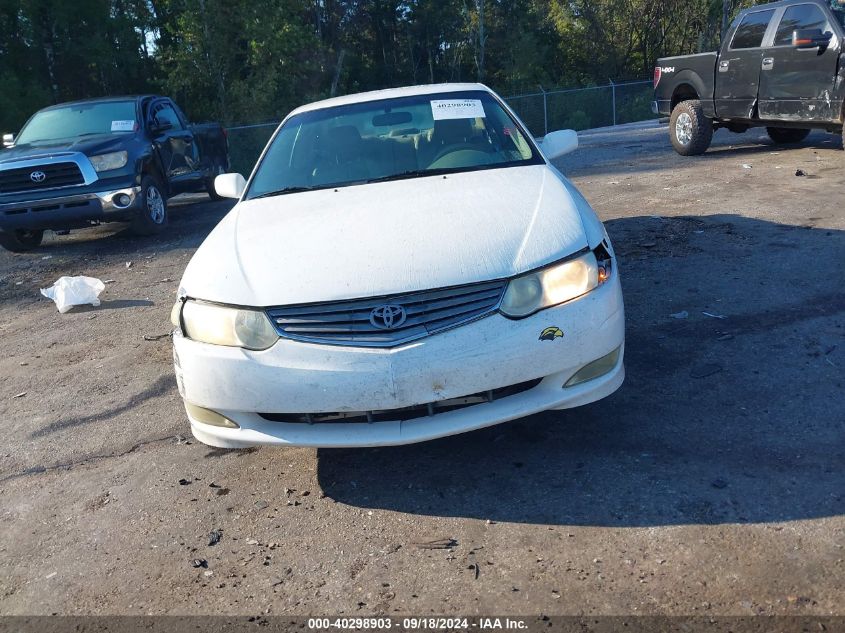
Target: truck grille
(56, 175)
(415, 315)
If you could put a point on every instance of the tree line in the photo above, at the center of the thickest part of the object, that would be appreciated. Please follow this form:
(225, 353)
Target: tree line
(252, 60)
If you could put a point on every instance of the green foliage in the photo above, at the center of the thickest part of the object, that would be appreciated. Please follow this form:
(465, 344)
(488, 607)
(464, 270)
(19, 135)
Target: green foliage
(252, 60)
(53, 50)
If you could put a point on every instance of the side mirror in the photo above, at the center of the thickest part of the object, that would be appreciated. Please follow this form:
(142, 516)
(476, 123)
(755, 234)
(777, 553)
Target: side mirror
(556, 144)
(229, 185)
(8, 140)
(160, 126)
(810, 38)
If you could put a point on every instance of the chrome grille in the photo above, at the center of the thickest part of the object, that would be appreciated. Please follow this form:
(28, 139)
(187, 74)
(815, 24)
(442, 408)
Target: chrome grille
(348, 322)
(56, 175)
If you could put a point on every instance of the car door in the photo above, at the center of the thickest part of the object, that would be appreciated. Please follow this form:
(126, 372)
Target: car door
(175, 144)
(738, 76)
(797, 83)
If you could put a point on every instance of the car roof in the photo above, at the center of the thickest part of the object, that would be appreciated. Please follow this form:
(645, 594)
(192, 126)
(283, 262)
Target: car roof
(783, 3)
(101, 100)
(390, 93)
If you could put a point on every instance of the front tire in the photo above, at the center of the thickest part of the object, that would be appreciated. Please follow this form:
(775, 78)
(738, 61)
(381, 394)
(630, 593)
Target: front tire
(689, 129)
(151, 218)
(21, 240)
(209, 182)
(786, 135)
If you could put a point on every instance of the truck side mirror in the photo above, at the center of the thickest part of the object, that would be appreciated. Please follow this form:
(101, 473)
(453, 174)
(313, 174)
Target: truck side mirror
(810, 38)
(160, 125)
(229, 185)
(558, 143)
(8, 140)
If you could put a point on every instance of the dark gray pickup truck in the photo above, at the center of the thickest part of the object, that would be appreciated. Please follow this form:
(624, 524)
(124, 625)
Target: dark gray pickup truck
(781, 67)
(87, 162)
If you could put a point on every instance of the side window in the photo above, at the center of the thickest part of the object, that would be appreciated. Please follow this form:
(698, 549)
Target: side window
(750, 32)
(163, 111)
(800, 16)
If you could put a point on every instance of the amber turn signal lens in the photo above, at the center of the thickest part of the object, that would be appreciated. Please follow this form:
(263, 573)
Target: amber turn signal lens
(207, 416)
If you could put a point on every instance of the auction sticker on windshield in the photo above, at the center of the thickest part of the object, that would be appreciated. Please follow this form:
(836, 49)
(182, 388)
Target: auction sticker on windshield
(443, 109)
(122, 126)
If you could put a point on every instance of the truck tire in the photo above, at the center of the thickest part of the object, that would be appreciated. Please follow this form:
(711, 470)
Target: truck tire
(209, 182)
(151, 216)
(691, 132)
(786, 135)
(21, 240)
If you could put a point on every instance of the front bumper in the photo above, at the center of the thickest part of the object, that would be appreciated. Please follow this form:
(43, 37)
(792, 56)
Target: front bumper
(69, 211)
(488, 354)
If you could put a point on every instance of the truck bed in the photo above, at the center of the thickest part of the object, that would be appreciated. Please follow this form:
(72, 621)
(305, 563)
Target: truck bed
(696, 70)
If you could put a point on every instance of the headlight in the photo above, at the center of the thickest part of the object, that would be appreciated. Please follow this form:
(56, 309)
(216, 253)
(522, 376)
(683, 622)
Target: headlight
(554, 285)
(221, 325)
(105, 162)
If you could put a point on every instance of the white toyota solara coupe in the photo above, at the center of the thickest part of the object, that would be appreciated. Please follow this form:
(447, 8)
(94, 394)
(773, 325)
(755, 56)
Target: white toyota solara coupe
(401, 265)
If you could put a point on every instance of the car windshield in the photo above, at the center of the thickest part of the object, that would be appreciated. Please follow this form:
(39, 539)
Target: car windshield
(84, 119)
(399, 138)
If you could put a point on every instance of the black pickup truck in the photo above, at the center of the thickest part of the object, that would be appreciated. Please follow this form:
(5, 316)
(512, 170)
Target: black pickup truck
(77, 164)
(781, 66)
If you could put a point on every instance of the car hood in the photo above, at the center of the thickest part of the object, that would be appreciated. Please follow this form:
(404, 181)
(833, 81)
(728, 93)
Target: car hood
(386, 238)
(88, 145)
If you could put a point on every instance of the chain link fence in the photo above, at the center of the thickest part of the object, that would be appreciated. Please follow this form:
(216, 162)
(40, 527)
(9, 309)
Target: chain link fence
(584, 108)
(542, 112)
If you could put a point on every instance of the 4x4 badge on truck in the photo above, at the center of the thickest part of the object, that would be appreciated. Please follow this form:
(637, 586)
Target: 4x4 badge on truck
(38, 176)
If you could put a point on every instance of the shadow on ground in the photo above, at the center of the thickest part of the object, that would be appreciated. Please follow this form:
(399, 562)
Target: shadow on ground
(721, 420)
(599, 154)
(191, 220)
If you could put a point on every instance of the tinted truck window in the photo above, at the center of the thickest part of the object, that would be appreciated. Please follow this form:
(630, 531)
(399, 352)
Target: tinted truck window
(750, 32)
(800, 16)
(164, 112)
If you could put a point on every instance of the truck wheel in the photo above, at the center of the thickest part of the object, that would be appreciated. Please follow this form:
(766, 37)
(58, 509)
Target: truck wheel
(151, 217)
(209, 182)
(690, 131)
(786, 135)
(20, 241)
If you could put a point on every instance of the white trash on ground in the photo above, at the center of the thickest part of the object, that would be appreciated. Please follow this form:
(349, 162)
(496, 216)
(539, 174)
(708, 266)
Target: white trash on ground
(74, 291)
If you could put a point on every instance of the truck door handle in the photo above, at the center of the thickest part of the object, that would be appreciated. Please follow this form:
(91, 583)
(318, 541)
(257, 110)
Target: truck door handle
(723, 67)
(768, 63)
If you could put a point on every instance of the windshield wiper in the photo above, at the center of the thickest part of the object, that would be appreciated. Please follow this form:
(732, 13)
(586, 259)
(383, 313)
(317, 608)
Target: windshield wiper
(283, 191)
(413, 173)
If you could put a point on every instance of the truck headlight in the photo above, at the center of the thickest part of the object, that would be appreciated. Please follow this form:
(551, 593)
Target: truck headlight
(554, 285)
(105, 162)
(223, 325)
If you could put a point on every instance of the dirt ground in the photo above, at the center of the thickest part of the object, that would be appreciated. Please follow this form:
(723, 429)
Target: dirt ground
(712, 483)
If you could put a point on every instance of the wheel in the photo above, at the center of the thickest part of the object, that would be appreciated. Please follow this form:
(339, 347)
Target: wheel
(151, 216)
(691, 132)
(209, 182)
(21, 240)
(786, 135)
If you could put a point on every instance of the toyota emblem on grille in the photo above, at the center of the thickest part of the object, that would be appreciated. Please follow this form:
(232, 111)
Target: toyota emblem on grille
(388, 317)
(38, 176)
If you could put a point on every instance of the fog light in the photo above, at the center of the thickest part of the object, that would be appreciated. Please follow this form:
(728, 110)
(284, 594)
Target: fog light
(122, 200)
(597, 368)
(207, 416)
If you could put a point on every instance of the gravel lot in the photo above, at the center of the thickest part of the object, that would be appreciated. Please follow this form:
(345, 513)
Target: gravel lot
(712, 483)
